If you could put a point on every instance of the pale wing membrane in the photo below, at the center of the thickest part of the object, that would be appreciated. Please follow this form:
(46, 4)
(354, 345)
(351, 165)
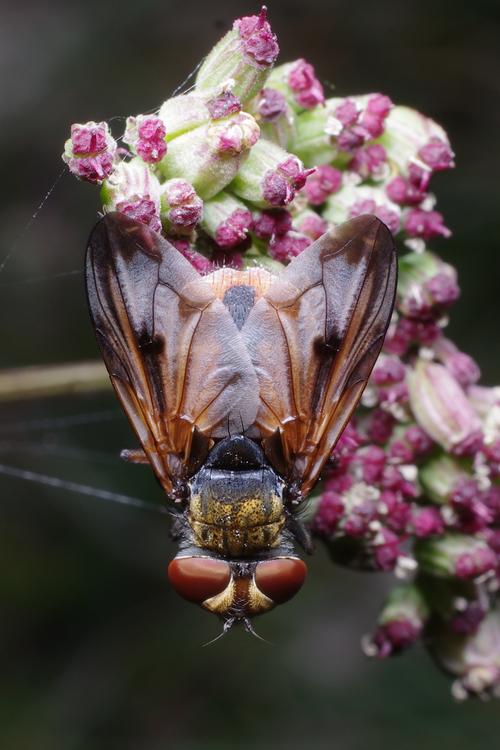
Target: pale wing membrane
(314, 338)
(173, 352)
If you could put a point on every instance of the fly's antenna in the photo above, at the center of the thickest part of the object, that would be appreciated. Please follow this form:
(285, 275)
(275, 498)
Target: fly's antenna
(225, 630)
(249, 629)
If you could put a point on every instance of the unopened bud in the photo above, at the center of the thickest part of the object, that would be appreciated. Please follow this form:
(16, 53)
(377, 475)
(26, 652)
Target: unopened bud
(411, 138)
(145, 134)
(441, 407)
(269, 176)
(426, 285)
(298, 82)
(284, 248)
(90, 152)
(181, 207)
(209, 156)
(474, 659)
(275, 117)
(400, 622)
(455, 555)
(227, 220)
(135, 191)
(310, 223)
(244, 54)
(322, 183)
(425, 224)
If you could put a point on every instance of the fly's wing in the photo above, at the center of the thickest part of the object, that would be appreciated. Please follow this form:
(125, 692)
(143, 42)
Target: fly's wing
(314, 337)
(172, 350)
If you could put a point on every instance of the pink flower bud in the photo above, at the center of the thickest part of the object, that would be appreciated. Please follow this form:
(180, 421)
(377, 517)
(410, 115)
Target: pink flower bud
(425, 224)
(135, 191)
(427, 522)
(455, 555)
(234, 135)
(275, 222)
(141, 210)
(419, 440)
(307, 89)
(380, 426)
(467, 620)
(244, 55)
(181, 207)
(474, 564)
(285, 247)
(370, 162)
(473, 658)
(437, 154)
(463, 368)
(442, 408)
(234, 230)
(223, 105)
(322, 183)
(348, 112)
(259, 42)
(377, 108)
(310, 224)
(382, 212)
(388, 370)
(203, 265)
(394, 637)
(400, 622)
(271, 104)
(386, 551)
(270, 176)
(90, 151)
(329, 513)
(351, 138)
(408, 136)
(145, 134)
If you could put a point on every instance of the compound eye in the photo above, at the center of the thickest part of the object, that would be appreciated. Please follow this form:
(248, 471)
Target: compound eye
(198, 578)
(280, 579)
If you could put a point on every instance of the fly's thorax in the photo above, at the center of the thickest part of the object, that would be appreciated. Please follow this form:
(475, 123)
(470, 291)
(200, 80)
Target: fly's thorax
(236, 513)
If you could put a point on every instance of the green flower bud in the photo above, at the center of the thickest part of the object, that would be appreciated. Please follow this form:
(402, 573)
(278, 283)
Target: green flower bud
(227, 220)
(270, 176)
(407, 136)
(134, 190)
(473, 659)
(316, 133)
(354, 199)
(244, 54)
(298, 83)
(275, 117)
(183, 113)
(440, 475)
(455, 556)
(441, 407)
(400, 622)
(425, 282)
(210, 156)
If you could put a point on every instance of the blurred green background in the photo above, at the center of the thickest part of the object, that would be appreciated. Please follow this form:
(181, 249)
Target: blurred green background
(96, 651)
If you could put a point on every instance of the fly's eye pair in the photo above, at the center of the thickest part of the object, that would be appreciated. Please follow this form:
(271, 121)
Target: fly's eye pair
(200, 578)
(280, 579)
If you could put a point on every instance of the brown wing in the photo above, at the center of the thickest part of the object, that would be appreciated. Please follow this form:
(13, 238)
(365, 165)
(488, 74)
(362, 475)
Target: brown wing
(314, 337)
(173, 352)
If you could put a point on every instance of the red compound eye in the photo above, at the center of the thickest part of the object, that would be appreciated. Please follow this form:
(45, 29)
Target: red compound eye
(198, 578)
(280, 579)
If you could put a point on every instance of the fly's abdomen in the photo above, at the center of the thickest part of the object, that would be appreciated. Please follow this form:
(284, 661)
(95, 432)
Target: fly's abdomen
(236, 513)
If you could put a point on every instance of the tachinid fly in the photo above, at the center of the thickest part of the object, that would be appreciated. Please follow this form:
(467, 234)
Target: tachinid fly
(238, 385)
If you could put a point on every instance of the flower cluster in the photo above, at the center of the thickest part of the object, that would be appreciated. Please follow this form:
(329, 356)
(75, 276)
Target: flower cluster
(253, 165)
